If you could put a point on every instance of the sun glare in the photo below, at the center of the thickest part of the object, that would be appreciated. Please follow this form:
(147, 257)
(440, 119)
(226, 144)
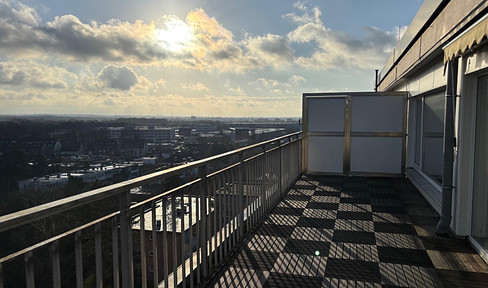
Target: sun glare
(174, 34)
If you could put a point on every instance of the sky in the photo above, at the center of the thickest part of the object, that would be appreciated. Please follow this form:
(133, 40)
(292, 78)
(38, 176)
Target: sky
(241, 58)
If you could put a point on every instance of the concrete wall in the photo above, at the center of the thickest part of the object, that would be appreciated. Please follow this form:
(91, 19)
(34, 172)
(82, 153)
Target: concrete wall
(455, 17)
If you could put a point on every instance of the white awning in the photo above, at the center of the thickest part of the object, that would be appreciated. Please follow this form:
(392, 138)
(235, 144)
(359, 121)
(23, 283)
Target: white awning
(467, 41)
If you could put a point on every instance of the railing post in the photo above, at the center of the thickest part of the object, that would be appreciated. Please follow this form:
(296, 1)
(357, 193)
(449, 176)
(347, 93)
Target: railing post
(54, 249)
(115, 254)
(98, 256)
(126, 240)
(1, 276)
(240, 209)
(263, 201)
(202, 172)
(29, 270)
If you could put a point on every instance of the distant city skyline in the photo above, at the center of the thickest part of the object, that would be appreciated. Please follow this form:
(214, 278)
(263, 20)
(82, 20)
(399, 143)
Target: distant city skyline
(183, 58)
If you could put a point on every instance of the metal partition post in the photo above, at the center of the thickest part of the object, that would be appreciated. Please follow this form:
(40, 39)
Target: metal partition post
(126, 240)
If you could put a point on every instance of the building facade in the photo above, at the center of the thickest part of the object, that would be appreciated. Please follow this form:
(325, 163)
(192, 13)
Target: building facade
(442, 63)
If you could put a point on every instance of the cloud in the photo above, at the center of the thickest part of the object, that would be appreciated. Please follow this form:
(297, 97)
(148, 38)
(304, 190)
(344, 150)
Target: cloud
(296, 79)
(117, 77)
(194, 86)
(273, 49)
(32, 74)
(336, 49)
(11, 76)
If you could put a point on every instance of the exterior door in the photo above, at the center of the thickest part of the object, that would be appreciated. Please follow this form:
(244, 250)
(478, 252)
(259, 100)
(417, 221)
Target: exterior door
(354, 133)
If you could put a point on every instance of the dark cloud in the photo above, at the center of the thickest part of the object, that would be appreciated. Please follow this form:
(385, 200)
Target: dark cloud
(10, 77)
(118, 77)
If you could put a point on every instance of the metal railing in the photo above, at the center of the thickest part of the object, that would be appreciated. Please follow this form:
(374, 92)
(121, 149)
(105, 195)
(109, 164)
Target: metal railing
(176, 237)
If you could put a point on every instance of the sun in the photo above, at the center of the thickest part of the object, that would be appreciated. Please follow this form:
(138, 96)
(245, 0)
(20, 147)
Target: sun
(173, 34)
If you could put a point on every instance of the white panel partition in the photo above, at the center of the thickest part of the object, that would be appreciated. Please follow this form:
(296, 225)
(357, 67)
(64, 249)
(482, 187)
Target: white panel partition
(377, 114)
(326, 114)
(325, 145)
(376, 154)
(354, 133)
(325, 154)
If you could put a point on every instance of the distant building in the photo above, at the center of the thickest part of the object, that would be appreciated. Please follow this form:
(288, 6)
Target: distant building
(95, 173)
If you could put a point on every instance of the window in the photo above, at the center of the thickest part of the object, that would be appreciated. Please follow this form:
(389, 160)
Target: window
(429, 135)
(151, 253)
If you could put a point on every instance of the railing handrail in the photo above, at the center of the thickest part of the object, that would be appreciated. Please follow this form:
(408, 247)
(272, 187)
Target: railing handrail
(22, 217)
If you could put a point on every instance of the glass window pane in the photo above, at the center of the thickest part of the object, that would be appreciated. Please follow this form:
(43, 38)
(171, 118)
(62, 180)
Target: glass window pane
(418, 130)
(479, 228)
(433, 136)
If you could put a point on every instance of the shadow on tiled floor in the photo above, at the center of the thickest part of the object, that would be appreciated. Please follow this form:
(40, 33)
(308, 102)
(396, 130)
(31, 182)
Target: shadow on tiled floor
(352, 232)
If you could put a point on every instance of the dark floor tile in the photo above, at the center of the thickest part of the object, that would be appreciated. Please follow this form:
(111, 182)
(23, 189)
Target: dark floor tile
(413, 257)
(424, 220)
(394, 228)
(307, 247)
(358, 237)
(355, 215)
(297, 197)
(275, 230)
(356, 200)
(350, 188)
(327, 193)
(281, 280)
(353, 269)
(256, 260)
(316, 223)
(462, 279)
(288, 211)
(447, 244)
(322, 205)
(304, 187)
(388, 209)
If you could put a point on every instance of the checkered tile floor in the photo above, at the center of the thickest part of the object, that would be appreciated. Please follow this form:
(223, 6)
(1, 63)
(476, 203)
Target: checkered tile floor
(338, 232)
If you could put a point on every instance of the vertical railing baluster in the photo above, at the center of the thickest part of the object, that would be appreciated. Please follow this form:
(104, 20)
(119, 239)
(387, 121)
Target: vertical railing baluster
(209, 225)
(29, 270)
(280, 166)
(164, 205)
(240, 211)
(98, 257)
(183, 239)
(79, 259)
(198, 236)
(226, 212)
(1, 276)
(175, 245)
(214, 213)
(221, 215)
(247, 188)
(56, 265)
(115, 254)
(202, 171)
(142, 239)
(234, 205)
(126, 241)
(190, 236)
(154, 232)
